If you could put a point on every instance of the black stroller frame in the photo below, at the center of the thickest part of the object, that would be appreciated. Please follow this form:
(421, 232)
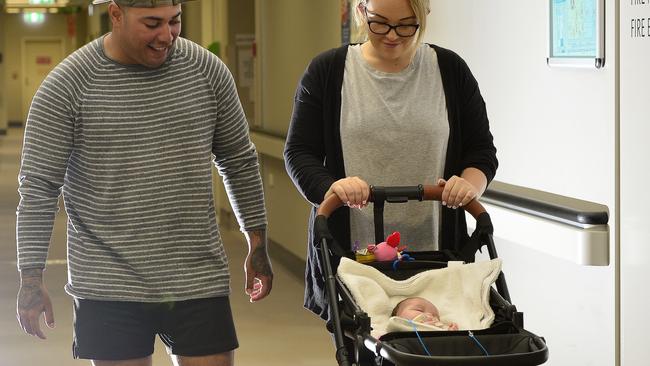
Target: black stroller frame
(509, 343)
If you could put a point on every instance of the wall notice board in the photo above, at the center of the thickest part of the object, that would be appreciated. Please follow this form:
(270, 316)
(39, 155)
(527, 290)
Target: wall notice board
(577, 33)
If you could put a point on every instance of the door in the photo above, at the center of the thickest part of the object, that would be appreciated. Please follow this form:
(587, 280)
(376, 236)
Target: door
(634, 199)
(40, 57)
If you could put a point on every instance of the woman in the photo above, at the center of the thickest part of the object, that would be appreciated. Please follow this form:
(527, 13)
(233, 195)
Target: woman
(389, 111)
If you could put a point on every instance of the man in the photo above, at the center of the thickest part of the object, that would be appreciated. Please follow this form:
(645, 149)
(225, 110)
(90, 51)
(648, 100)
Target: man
(127, 128)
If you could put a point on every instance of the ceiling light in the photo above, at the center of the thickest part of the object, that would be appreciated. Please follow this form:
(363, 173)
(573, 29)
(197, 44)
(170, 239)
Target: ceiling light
(33, 18)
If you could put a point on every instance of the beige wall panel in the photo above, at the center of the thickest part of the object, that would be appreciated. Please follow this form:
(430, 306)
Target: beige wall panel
(239, 51)
(288, 211)
(55, 25)
(81, 21)
(289, 34)
(93, 27)
(3, 92)
(292, 33)
(192, 21)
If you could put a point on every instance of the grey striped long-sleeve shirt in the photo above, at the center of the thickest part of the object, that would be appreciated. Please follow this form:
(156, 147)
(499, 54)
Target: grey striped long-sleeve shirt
(131, 149)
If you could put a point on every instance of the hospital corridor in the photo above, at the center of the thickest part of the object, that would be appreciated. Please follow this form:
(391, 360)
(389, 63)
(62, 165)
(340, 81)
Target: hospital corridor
(476, 172)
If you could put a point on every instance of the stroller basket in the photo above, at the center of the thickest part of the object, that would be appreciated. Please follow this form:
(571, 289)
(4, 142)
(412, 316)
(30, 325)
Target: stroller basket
(520, 348)
(504, 343)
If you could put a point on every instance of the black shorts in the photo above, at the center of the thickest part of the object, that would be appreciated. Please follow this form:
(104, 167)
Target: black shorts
(117, 330)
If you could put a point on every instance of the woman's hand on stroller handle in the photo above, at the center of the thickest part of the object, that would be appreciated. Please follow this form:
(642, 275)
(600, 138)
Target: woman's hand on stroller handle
(457, 192)
(351, 191)
(429, 192)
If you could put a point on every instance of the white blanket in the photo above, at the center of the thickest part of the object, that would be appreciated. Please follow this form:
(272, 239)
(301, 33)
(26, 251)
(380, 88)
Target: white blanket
(460, 292)
(398, 324)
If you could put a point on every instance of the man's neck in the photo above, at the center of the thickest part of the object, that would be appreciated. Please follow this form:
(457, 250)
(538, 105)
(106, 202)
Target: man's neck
(113, 50)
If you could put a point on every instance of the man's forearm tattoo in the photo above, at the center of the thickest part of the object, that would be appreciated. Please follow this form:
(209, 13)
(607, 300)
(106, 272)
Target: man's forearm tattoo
(30, 294)
(259, 256)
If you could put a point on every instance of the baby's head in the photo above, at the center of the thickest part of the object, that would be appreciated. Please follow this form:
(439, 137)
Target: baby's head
(421, 310)
(417, 307)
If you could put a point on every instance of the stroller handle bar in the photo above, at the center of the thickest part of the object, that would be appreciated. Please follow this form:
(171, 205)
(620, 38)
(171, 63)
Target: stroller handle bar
(400, 194)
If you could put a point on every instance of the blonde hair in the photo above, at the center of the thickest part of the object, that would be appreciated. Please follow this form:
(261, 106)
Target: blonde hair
(420, 8)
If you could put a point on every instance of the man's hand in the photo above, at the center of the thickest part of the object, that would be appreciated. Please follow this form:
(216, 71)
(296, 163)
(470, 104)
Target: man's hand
(259, 275)
(33, 300)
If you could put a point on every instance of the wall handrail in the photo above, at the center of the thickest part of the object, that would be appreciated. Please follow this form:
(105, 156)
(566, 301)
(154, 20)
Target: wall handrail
(546, 205)
(563, 227)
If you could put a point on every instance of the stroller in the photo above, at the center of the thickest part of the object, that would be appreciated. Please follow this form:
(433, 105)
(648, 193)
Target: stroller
(505, 342)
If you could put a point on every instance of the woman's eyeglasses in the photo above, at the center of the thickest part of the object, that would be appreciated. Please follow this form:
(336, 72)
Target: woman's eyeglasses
(381, 28)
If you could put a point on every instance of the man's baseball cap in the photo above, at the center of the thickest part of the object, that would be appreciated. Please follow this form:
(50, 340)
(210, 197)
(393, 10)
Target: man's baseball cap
(142, 3)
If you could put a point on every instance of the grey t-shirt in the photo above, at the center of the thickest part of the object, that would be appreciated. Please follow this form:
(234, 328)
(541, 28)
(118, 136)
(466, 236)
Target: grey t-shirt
(394, 132)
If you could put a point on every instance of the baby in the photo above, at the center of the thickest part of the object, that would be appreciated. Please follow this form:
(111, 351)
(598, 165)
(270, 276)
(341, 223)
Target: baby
(421, 310)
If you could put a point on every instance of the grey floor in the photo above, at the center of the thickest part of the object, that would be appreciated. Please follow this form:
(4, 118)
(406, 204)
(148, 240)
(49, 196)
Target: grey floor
(276, 331)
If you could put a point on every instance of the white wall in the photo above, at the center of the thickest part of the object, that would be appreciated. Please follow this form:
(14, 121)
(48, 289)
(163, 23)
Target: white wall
(555, 130)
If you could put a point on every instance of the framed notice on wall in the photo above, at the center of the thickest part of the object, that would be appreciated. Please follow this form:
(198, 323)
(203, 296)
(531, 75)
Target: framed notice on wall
(577, 33)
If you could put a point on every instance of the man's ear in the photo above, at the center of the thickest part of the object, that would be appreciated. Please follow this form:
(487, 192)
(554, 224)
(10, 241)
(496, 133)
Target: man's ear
(115, 13)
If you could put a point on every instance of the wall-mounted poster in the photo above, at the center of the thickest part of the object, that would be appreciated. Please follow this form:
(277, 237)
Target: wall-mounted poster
(577, 33)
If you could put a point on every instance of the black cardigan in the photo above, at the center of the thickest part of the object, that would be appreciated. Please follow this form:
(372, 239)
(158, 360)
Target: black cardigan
(314, 157)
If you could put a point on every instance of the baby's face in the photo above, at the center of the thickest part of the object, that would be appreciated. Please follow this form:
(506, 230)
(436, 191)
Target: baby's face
(419, 310)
